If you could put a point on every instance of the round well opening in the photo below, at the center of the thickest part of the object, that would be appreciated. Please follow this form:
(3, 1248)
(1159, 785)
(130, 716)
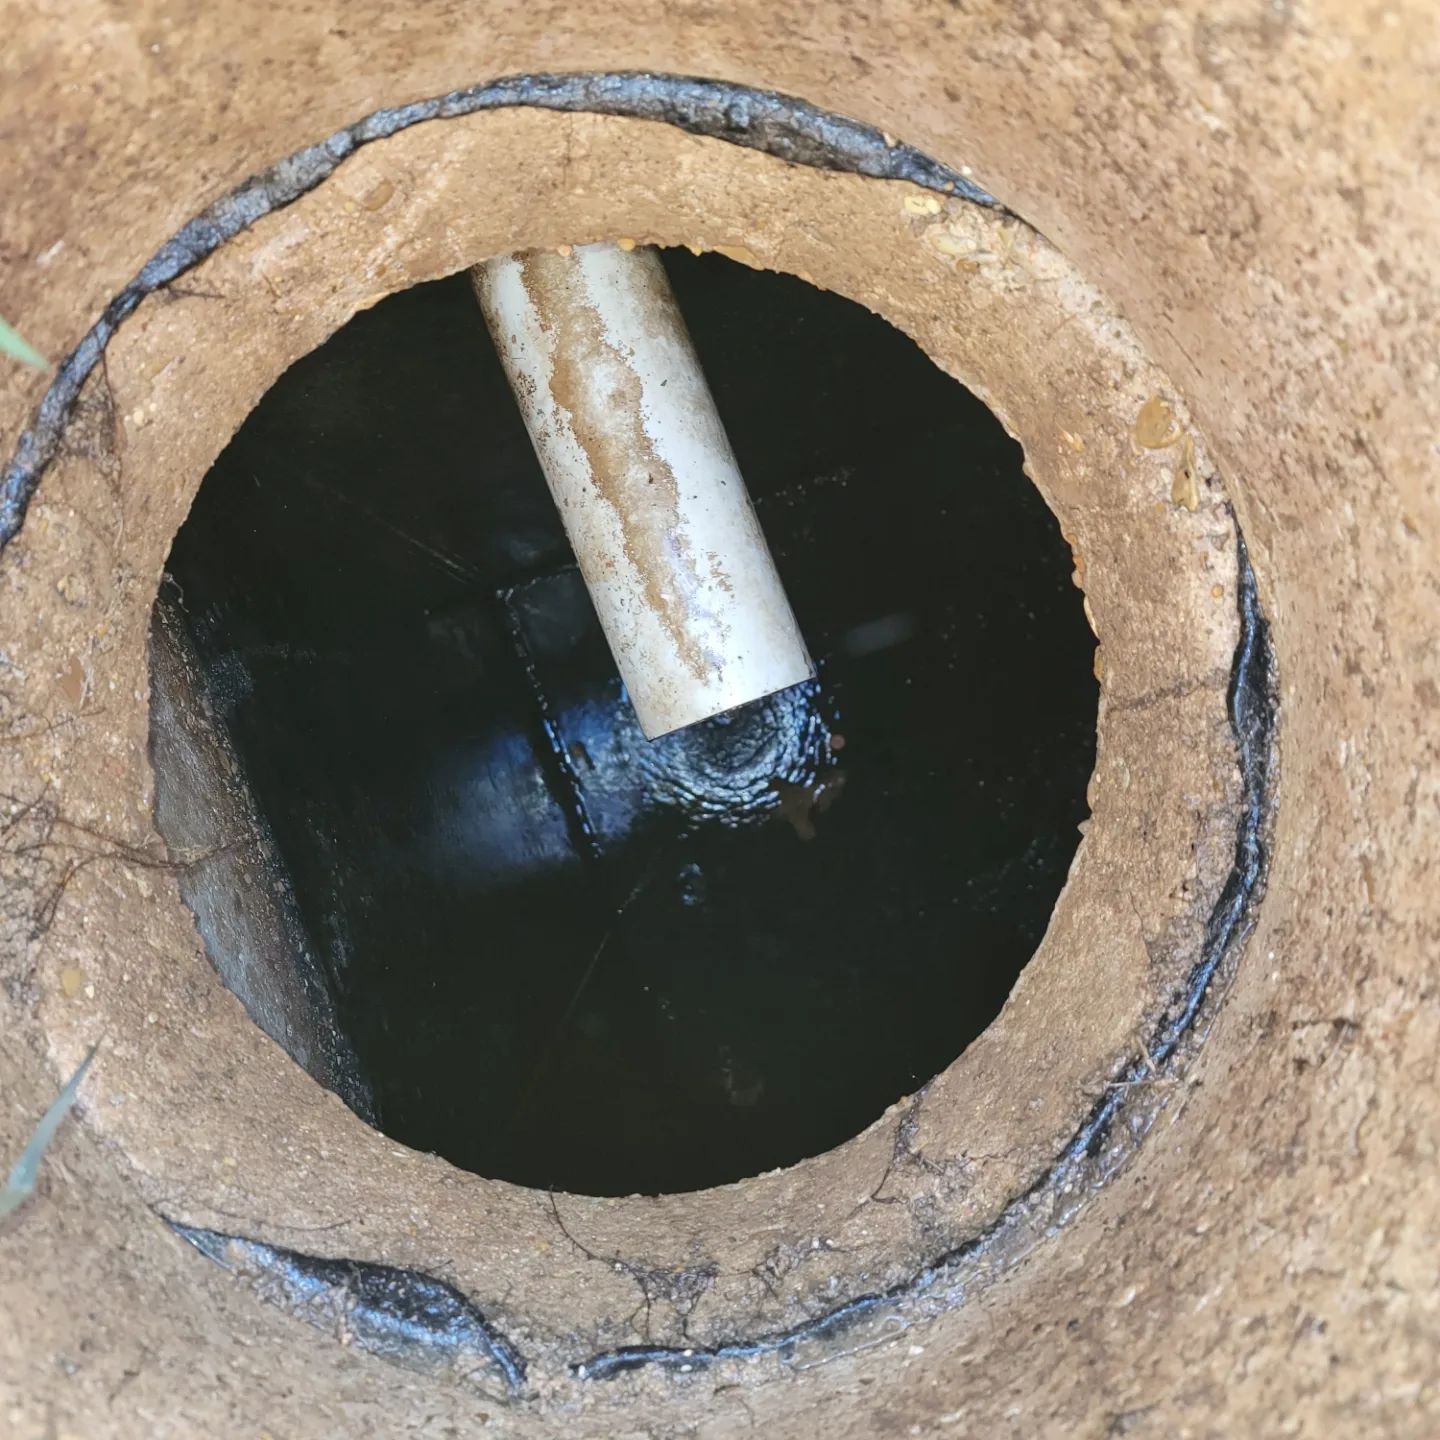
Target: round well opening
(529, 940)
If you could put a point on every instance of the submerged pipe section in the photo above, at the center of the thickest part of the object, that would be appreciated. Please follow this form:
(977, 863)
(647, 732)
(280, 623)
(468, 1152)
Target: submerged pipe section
(648, 488)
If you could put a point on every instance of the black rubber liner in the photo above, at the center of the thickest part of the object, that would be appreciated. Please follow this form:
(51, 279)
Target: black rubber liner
(740, 944)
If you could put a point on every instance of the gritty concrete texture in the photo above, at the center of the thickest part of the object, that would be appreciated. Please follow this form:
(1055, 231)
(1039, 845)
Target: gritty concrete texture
(1234, 304)
(569, 1279)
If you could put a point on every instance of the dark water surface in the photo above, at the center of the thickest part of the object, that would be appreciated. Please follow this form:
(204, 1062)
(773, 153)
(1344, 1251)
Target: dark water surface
(570, 958)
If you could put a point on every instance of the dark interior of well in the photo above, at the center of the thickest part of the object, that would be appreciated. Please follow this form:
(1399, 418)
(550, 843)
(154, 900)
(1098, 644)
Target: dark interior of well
(557, 954)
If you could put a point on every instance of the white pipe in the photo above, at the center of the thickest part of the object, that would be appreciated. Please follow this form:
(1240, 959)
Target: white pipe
(649, 492)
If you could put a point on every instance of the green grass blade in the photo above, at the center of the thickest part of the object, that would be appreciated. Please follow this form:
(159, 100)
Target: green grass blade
(21, 1184)
(13, 346)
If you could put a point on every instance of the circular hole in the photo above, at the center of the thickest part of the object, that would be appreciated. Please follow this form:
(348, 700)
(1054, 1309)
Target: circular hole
(495, 919)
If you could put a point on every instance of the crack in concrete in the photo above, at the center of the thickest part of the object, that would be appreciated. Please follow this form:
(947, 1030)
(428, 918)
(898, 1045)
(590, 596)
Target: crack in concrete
(779, 125)
(682, 1287)
(903, 1152)
(1180, 690)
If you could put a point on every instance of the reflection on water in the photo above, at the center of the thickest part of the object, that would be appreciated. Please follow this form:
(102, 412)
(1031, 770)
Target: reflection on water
(566, 956)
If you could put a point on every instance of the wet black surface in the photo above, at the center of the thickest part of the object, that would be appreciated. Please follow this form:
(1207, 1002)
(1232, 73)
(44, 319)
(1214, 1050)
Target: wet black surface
(567, 957)
(407, 1316)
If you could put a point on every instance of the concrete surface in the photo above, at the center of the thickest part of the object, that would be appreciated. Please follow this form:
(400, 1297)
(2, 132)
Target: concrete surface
(1251, 190)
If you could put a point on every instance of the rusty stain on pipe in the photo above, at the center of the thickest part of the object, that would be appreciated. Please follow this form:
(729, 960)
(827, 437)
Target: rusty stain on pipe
(647, 485)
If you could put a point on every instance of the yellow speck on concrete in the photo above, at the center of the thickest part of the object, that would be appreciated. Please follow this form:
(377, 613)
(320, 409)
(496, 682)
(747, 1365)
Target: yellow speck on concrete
(1155, 427)
(1185, 488)
(741, 253)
